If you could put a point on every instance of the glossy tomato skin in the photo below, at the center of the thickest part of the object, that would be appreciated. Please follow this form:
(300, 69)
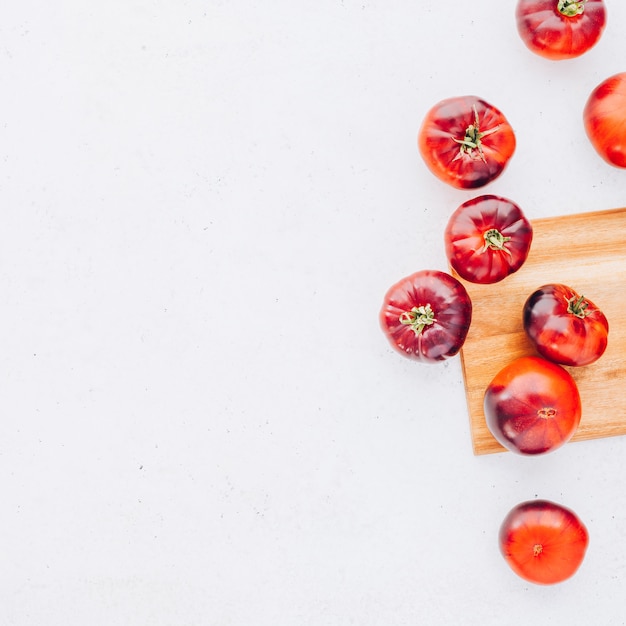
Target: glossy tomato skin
(532, 406)
(426, 316)
(565, 327)
(543, 542)
(604, 117)
(487, 238)
(556, 35)
(452, 127)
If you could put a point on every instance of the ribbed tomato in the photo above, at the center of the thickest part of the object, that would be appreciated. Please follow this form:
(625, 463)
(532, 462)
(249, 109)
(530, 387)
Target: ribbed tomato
(560, 29)
(532, 406)
(565, 327)
(466, 142)
(543, 542)
(487, 238)
(604, 117)
(426, 316)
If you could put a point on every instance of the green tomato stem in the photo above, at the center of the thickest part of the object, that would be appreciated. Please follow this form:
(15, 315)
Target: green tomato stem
(571, 8)
(418, 318)
(578, 306)
(473, 138)
(495, 240)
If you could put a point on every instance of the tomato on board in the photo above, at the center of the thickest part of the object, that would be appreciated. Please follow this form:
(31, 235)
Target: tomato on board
(560, 29)
(543, 542)
(604, 117)
(564, 327)
(426, 315)
(532, 406)
(487, 238)
(466, 142)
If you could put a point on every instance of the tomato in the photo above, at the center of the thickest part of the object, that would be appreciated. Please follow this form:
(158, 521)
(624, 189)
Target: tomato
(560, 29)
(604, 117)
(532, 406)
(466, 142)
(426, 316)
(543, 542)
(564, 327)
(487, 238)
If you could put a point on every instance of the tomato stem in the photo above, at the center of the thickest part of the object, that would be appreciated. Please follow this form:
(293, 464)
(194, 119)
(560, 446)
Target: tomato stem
(537, 549)
(418, 318)
(495, 240)
(578, 306)
(473, 138)
(546, 413)
(571, 8)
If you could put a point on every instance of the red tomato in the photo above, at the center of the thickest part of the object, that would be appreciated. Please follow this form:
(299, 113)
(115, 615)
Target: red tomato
(543, 542)
(466, 142)
(564, 327)
(487, 238)
(604, 117)
(532, 406)
(560, 29)
(426, 316)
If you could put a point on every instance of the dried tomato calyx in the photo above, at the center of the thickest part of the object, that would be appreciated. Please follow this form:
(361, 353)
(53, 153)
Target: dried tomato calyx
(473, 139)
(495, 240)
(571, 8)
(418, 318)
(577, 305)
(537, 549)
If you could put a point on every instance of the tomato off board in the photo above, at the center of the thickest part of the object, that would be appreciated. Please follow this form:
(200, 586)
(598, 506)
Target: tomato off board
(586, 251)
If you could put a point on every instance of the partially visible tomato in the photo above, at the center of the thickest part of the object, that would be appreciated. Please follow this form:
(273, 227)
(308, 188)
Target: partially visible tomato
(487, 238)
(564, 327)
(604, 117)
(466, 142)
(543, 542)
(532, 406)
(426, 316)
(560, 29)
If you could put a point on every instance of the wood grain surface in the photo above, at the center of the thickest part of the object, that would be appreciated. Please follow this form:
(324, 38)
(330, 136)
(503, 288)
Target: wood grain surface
(586, 251)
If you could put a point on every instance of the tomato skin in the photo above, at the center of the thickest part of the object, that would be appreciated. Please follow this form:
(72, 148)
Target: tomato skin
(451, 316)
(546, 31)
(560, 335)
(604, 117)
(543, 542)
(472, 226)
(442, 136)
(532, 406)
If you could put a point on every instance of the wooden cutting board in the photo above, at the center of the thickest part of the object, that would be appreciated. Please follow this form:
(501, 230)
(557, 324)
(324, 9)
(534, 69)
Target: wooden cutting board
(586, 251)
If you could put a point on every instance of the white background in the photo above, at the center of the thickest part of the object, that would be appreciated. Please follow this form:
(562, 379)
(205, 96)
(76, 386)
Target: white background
(202, 205)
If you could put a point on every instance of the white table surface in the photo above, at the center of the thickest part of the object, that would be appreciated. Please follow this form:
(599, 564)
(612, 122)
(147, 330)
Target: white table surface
(202, 206)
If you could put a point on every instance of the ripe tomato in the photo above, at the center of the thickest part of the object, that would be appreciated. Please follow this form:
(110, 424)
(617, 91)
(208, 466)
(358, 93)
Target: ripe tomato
(560, 29)
(426, 316)
(487, 238)
(532, 406)
(543, 542)
(466, 142)
(564, 327)
(604, 117)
